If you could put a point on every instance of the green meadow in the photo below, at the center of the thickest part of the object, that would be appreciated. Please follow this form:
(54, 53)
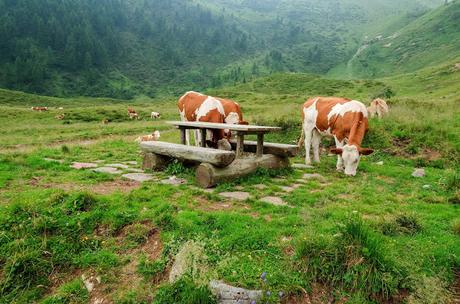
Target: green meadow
(380, 237)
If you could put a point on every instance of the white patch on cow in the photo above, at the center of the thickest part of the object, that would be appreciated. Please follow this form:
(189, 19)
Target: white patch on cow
(351, 106)
(350, 156)
(208, 105)
(232, 118)
(309, 124)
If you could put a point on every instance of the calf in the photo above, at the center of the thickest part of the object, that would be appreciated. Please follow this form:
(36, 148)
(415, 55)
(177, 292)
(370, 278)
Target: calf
(195, 106)
(344, 119)
(151, 137)
(39, 109)
(155, 115)
(378, 107)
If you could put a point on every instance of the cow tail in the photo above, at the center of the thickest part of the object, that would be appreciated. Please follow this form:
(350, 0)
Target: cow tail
(302, 138)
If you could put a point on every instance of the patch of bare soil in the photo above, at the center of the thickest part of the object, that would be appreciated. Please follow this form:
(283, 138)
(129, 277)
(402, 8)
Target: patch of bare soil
(103, 188)
(456, 289)
(203, 204)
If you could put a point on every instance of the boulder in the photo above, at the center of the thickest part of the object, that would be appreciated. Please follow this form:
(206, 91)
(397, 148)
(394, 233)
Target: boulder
(78, 165)
(190, 260)
(108, 170)
(419, 173)
(273, 200)
(227, 294)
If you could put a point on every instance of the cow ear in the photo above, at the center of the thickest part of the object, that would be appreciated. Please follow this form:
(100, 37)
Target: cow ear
(337, 151)
(366, 151)
(243, 122)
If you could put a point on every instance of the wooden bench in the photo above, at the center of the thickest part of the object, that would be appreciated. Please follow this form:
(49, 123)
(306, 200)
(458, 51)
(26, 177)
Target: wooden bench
(283, 150)
(159, 153)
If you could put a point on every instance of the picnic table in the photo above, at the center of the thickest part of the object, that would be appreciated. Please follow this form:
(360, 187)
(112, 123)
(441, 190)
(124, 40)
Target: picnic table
(215, 166)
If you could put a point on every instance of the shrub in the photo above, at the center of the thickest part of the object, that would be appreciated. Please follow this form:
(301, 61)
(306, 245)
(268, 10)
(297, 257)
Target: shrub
(184, 291)
(402, 224)
(356, 260)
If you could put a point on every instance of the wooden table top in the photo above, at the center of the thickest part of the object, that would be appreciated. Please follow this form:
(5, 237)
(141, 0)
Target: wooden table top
(223, 126)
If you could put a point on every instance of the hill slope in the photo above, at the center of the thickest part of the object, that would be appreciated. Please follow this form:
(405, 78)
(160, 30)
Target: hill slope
(122, 49)
(432, 39)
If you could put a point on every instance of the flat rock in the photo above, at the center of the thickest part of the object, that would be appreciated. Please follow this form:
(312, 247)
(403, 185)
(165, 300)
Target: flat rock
(78, 165)
(419, 173)
(301, 181)
(172, 180)
(279, 180)
(426, 186)
(296, 186)
(260, 186)
(54, 160)
(227, 294)
(273, 200)
(313, 176)
(190, 259)
(239, 188)
(301, 166)
(134, 170)
(287, 189)
(138, 177)
(380, 163)
(238, 195)
(119, 166)
(108, 170)
(132, 163)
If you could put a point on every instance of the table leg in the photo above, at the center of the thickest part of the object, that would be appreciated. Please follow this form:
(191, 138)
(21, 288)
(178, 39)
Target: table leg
(260, 145)
(182, 136)
(239, 144)
(203, 137)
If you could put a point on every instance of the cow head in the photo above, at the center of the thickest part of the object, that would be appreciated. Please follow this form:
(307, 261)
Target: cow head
(351, 155)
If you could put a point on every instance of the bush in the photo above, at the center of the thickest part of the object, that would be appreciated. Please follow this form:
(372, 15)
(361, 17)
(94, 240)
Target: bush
(401, 224)
(184, 291)
(356, 260)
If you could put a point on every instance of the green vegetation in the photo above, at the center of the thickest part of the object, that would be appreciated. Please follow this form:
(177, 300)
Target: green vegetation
(382, 235)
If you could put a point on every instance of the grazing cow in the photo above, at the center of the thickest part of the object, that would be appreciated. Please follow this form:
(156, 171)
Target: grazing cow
(60, 116)
(151, 137)
(132, 114)
(155, 115)
(39, 109)
(345, 120)
(378, 107)
(195, 106)
(105, 121)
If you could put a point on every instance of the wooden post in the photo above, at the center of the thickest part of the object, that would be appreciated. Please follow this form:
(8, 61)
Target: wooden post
(260, 145)
(203, 137)
(239, 144)
(154, 161)
(182, 136)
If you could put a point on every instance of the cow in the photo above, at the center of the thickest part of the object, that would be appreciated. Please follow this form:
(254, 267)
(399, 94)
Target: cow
(378, 107)
(151, 137)
(195, 106)
(39, 109)
(155, 115)
(344, 119)
(60, 116)
(132, 114)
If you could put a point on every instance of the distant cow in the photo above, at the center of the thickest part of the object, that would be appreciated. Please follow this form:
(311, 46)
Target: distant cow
(60, 116)
(344, 119)
(155, 115)
(151, 137)
(132, 114)
(378, 107)
(195, 106)
(39, 109)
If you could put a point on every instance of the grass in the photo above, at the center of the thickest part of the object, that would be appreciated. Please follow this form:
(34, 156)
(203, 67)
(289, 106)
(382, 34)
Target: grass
(379, 236)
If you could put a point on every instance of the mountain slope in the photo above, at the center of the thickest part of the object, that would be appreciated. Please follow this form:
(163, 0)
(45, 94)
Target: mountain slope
(432, 39)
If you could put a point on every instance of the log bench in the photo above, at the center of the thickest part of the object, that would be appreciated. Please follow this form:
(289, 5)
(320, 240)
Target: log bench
(269, 148)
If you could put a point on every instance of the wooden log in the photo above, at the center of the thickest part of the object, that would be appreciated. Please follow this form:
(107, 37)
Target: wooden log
(154, 161)
(208, 175)
(260, 145)
(269, 148)
(183, 136)
(203, 138)
(216, 157)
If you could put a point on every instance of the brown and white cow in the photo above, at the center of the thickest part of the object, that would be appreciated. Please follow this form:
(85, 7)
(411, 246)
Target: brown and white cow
(39, 109)
(132, 114)
(344, 119)
(378, 107)
(195, 106)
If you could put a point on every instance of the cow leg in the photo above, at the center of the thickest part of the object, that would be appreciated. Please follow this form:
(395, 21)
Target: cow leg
(316, 140)
(339, 144)
(308, 136)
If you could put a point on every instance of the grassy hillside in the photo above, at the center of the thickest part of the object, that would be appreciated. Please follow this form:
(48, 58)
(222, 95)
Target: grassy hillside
(382, 236)
(431, 39)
